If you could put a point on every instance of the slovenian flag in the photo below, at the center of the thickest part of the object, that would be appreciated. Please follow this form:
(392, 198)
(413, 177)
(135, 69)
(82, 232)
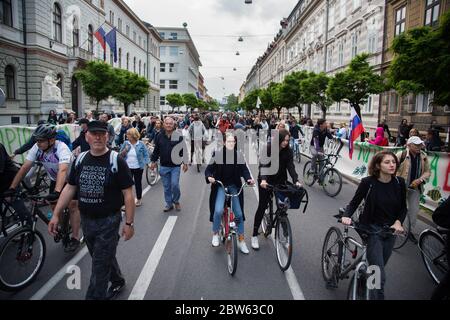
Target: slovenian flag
(100, 36)
(356, 129)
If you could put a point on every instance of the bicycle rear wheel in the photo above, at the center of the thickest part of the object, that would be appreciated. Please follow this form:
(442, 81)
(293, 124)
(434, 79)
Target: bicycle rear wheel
(232, 253)
(434, 256)
(283, 242)
(22, 256)
(265, 223)
(401, 240)
(332, 182)
(151, 175)
(358, 291)
(308, 174)
(331, 254)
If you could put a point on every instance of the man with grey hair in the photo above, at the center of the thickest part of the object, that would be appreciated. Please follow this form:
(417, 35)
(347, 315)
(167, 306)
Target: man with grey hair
(111, 132)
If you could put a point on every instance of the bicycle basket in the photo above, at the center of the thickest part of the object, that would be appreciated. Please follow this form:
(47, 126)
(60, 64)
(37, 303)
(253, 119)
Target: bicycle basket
(295, 195)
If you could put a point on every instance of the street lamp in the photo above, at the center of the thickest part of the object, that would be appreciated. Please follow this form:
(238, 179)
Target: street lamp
(240, 39)
(185, 24)
(237, 53)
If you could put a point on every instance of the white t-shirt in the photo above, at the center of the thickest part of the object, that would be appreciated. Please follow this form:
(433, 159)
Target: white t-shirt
(59, 153)
(132, 159)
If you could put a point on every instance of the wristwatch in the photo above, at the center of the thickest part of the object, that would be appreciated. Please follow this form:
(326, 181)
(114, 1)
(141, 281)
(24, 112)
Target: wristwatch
(130, 224)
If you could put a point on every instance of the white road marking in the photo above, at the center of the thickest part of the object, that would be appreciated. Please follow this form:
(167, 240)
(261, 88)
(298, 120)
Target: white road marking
(58, 276)
(146, 276)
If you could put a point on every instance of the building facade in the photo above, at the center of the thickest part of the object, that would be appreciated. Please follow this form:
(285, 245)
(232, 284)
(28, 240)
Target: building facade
(58, 36)
(402, 15)
(179, 65)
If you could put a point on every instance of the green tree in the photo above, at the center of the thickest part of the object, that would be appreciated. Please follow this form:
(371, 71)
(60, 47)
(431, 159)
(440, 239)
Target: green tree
(281, 97)
(213, 105)
(249, 102)
(314, 90)
(267, 97)
(175, 100)
(290, 93)
(232, 103)
(98, 79)
(356, 83)
(422, 61)
(130, 87)
(190, 100)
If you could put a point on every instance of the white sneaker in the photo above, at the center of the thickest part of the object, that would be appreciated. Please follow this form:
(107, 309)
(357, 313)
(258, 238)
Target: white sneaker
(215, 240)
(243, 247)
(255, 243)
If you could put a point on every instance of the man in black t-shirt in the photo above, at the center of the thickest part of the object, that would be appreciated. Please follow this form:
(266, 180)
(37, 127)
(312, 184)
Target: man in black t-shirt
(101, 191)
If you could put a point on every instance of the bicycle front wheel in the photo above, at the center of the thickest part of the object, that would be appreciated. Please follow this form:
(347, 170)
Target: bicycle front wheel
(22, 256)
(283, 242)
(308, 174)
(232, 253)
(151, 175)
(331, 254)
(432, 249)
(401, 240)
(332, 182)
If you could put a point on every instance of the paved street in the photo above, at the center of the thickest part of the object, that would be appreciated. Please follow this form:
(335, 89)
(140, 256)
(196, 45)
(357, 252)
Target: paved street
(183, 265)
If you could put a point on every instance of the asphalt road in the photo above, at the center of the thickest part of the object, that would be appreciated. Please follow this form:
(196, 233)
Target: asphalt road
(171, 257)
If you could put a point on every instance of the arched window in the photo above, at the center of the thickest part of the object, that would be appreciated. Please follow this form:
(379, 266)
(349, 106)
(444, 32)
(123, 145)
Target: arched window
(90, 39)
(120, 57)
(10, 82)
(128, 61)
(75, 33)
(6, 13)
(57, 26)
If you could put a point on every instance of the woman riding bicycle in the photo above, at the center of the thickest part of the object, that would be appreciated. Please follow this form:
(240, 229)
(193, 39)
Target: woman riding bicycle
(385, 205)
(228, 166)
(285, 159)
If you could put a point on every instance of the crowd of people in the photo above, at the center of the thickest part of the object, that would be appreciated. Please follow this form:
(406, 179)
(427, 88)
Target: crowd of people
(105, 164)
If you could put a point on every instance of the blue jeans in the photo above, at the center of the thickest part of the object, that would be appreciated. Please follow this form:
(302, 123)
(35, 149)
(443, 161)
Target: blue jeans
(171, 181)
(218, 209)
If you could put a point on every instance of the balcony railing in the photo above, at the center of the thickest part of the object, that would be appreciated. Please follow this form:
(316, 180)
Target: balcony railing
(79, 53)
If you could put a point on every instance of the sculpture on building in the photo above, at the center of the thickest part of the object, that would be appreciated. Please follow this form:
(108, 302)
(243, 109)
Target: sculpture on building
(50, 89)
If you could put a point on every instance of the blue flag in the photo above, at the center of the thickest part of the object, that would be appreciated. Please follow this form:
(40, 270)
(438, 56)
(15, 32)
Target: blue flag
(111, 39)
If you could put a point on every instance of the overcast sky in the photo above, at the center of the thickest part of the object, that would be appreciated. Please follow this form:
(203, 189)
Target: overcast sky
(215, 26)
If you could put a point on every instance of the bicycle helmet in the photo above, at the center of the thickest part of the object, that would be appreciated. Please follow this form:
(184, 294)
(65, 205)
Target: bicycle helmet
(45, 131)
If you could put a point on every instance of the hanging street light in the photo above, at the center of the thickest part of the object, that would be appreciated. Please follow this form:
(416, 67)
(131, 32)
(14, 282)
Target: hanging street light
(237, 53)
(240, 39)
(248, 1)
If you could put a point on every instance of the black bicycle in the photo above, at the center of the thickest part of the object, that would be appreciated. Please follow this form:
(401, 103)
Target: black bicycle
(329, 178)
(294, 197)
(22, 254)
(434, 253)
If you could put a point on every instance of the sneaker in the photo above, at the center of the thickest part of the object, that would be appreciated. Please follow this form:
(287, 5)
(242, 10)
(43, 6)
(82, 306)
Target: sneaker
(177, 206)
(138, 202)
(115, 289)
(243, 247)
(215, 240)
(168, 208)
(255, 243)
(73, 245)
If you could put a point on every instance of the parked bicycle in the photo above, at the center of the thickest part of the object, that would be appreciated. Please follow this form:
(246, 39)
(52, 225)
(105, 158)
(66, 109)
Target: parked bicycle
(433, 251)
(279, 220)
(336, 265)
(228, 229)
(22, 254)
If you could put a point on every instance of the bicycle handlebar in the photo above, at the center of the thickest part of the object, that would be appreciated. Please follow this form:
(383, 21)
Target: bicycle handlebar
(385, 229)
(285, 188)
(229, 194)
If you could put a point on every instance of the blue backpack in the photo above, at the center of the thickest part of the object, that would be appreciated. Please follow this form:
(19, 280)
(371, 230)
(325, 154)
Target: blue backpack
(62, 136)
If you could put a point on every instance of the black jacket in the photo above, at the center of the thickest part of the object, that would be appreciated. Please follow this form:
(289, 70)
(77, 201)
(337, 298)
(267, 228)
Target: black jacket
(363, 193)
(215, 170)
(7, 170)
(81, 142)
(164, 146)
(441, 215)
(286, 164)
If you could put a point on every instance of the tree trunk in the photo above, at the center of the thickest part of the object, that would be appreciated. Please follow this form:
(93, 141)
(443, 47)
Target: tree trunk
(96, 109)
(299, 109)
(278, 111)
(324, 112)
(125, 106)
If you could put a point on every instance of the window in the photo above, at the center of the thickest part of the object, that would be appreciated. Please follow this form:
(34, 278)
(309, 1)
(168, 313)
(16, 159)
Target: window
(162, 67)
(343, 10)
(75, 34)
(134, 64)
(90, 39)
(329, 59)
(162, 51)
(128, 61)
(162, 100)
(140, 67)
(423, 102)
(356, 4)
(119, 24)
(162, 35)
(57, 29)
(145, 44)
(10, 83)
(173, 36)
(162, 84)
(174, 51)
(173, 84)
(120, 57)
(140, 41)
(368, 105)
(354, 44)
(341, 54)
(331, 17)
(111, 57)
(393, 102)
(338, 106)
(432, 12)
(400, 20)
(154, 74)
(6, 13)
(111, 18)
(128, 31)
(145, 70)
(134, 36)
(372, 42)
(173, 67)
(102, 4)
